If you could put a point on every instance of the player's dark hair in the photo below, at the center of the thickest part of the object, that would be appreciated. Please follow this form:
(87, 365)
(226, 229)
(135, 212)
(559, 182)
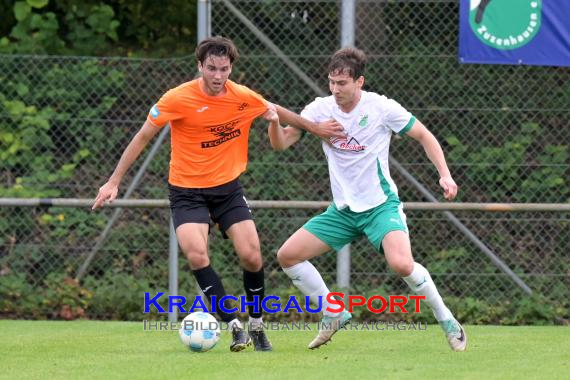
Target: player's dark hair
(350, 61)
(218, 46)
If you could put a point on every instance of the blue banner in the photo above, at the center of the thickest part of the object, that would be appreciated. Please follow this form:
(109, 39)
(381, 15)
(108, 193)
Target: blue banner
(519, 32)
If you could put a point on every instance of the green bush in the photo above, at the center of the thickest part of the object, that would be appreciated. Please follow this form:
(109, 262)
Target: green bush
(58, 297)
(94, 27)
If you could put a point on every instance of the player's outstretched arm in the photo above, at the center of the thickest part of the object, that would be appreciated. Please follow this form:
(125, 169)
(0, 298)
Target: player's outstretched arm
(325, 129)
(282, 138)
(108, 192)
(434, 152)
(279, 137)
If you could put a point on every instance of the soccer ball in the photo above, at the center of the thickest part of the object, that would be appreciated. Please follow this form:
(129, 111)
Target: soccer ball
(199, 331)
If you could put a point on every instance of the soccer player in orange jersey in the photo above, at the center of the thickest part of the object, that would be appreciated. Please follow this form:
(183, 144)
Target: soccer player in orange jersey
(210, 119)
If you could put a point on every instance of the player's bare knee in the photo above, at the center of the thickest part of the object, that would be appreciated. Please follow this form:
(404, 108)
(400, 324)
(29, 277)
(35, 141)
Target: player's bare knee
(402, 264)
(403, 267)
(252, 262)
(285, 257)
(250, 257)
(198, 259)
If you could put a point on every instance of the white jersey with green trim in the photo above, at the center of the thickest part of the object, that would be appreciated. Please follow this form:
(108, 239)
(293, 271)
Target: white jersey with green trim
(358, 164)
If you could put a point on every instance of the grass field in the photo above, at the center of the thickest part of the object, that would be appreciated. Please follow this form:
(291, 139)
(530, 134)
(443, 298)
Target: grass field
(122, 350)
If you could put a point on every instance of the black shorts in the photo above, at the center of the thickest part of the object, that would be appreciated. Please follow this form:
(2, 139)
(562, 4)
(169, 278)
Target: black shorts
(224, 205)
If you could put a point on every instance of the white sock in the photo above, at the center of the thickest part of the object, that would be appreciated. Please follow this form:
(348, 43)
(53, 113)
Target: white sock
(309, 281)
(421, 284)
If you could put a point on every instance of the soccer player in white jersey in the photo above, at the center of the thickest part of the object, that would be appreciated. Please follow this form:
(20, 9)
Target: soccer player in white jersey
(365, 198)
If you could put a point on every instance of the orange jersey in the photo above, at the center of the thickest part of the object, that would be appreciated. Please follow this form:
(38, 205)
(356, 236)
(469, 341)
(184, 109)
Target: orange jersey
(209, 134)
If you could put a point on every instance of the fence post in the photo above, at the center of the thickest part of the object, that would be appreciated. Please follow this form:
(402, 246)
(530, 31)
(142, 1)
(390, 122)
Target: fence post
(204, 20)
(172, 270)
(348, 23)
(343, 270)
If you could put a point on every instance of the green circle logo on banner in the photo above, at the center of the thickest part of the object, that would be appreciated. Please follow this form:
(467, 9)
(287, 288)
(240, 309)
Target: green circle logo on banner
(505, 24)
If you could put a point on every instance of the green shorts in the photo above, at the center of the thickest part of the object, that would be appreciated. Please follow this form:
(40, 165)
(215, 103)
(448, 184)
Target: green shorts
(337, 227)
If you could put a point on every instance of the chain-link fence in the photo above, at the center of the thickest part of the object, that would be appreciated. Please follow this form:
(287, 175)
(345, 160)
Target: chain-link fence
(64, 122)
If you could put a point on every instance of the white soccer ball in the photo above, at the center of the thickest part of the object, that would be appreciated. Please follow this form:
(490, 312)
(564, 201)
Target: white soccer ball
(199, 331)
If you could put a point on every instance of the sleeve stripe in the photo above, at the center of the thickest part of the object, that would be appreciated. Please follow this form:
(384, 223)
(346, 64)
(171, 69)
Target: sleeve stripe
(408, 126)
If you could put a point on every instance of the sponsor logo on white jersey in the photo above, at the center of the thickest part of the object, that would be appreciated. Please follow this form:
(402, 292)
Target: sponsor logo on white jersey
(346, 144)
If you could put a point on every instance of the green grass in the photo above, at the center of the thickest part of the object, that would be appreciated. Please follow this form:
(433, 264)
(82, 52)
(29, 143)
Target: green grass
(120, 350)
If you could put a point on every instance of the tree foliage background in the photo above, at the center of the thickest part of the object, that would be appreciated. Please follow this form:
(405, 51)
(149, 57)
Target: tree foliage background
(112, 28)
